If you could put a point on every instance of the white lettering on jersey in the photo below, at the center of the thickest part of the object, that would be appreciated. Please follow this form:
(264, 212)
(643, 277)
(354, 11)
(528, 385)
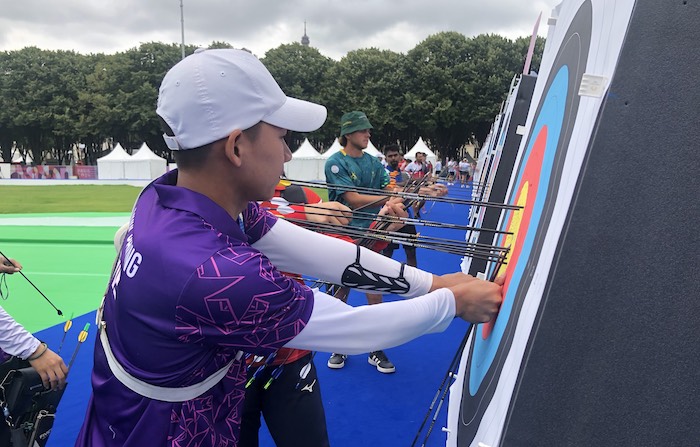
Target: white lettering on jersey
(132, 258)
(116, 278)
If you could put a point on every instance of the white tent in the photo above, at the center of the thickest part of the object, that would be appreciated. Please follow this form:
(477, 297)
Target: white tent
(420, 146)
(112, 165)
(306, 150)
(306, 163)
(17, 156)
(335, 147)
(145, 165)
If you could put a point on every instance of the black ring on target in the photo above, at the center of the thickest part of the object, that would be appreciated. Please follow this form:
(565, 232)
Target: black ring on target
(570, 62)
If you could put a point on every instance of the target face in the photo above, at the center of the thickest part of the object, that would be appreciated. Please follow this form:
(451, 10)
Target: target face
(535, 186)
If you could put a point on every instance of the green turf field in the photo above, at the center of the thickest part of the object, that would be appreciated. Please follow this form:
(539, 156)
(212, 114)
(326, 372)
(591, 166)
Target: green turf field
(72, 277)
(63, 236)
(69, 264)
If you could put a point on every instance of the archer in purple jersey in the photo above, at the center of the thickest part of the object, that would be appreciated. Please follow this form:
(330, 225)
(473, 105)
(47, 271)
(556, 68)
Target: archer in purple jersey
(188, 281)
(197, 287)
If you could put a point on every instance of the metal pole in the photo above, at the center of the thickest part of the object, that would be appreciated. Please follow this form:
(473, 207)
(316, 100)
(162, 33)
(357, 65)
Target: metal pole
(182, 29)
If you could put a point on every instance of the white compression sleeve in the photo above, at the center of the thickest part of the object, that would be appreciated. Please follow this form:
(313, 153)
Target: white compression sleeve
(297, 250)
(14, 339)
(337, 327)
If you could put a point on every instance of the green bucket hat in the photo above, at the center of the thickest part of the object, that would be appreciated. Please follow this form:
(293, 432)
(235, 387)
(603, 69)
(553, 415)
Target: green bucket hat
(354, 121)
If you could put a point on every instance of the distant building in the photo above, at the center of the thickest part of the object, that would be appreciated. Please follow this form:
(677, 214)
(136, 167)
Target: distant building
(305, 38)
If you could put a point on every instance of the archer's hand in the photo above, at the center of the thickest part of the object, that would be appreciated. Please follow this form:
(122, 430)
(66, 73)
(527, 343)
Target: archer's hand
(328, 212)
(394, 207)
(434, 190)
(9, 265)
(449, 280)
(476, 300)
(51, 368)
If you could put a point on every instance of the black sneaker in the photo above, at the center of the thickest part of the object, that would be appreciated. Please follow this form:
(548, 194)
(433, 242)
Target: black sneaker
(337, 361)
(379, 359)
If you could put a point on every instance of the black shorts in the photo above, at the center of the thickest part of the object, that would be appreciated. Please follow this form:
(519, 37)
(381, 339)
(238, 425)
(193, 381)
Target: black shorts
(292, 408)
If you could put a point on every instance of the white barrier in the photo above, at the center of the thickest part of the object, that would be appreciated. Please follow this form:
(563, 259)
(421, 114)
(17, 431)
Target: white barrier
(48, 182)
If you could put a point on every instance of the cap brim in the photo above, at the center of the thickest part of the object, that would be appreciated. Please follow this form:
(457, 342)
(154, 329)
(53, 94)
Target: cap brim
(298, 115)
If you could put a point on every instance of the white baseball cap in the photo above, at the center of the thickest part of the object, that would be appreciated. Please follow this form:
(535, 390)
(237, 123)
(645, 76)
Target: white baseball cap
(211, 93)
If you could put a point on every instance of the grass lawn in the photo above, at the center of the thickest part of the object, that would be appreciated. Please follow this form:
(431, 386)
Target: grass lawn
(62, 258)
(67, 198)
(75, 198)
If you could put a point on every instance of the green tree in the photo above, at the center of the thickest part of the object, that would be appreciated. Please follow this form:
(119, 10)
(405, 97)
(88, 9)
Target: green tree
(373, 81)
(301, 72)
(440, 70)
(119, 102)
(457, 85)
(219, 44)
(497, 60)
(97, 115)
(447, 89)
(37, 106)
(521, 46)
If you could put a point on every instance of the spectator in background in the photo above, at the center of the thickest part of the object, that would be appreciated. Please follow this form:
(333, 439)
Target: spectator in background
(392, 153)
(464, 168)
(382, 160)
(417, 170)
(438, 168)
(451, 171)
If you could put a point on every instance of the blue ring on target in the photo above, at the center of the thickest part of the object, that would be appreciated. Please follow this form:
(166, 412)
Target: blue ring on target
(551, 116)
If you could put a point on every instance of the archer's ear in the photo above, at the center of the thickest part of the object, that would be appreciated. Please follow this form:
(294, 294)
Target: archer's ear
(231, 149)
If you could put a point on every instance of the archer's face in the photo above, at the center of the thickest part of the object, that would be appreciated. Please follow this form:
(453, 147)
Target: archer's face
(359, 139)
(393, 159)
(264, 158)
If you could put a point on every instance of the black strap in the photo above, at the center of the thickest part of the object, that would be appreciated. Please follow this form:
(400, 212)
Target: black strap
(358, 277)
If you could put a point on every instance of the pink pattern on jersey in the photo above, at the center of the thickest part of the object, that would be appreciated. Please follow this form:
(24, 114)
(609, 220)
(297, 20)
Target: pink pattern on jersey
(261, 322)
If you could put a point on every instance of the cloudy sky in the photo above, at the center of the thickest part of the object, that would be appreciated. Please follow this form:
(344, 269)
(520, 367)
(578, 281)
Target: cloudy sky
(334, 26)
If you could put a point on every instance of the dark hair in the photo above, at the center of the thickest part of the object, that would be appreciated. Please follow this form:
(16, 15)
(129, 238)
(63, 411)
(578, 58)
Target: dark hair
(391, 148)
(190, 158)
(343, 140)
(254, 131)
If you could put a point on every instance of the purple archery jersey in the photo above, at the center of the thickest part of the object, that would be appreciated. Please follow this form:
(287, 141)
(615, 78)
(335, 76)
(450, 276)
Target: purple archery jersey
(187, 294)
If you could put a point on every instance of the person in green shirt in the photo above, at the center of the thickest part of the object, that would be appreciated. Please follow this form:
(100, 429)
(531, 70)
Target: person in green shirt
(349, 168)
